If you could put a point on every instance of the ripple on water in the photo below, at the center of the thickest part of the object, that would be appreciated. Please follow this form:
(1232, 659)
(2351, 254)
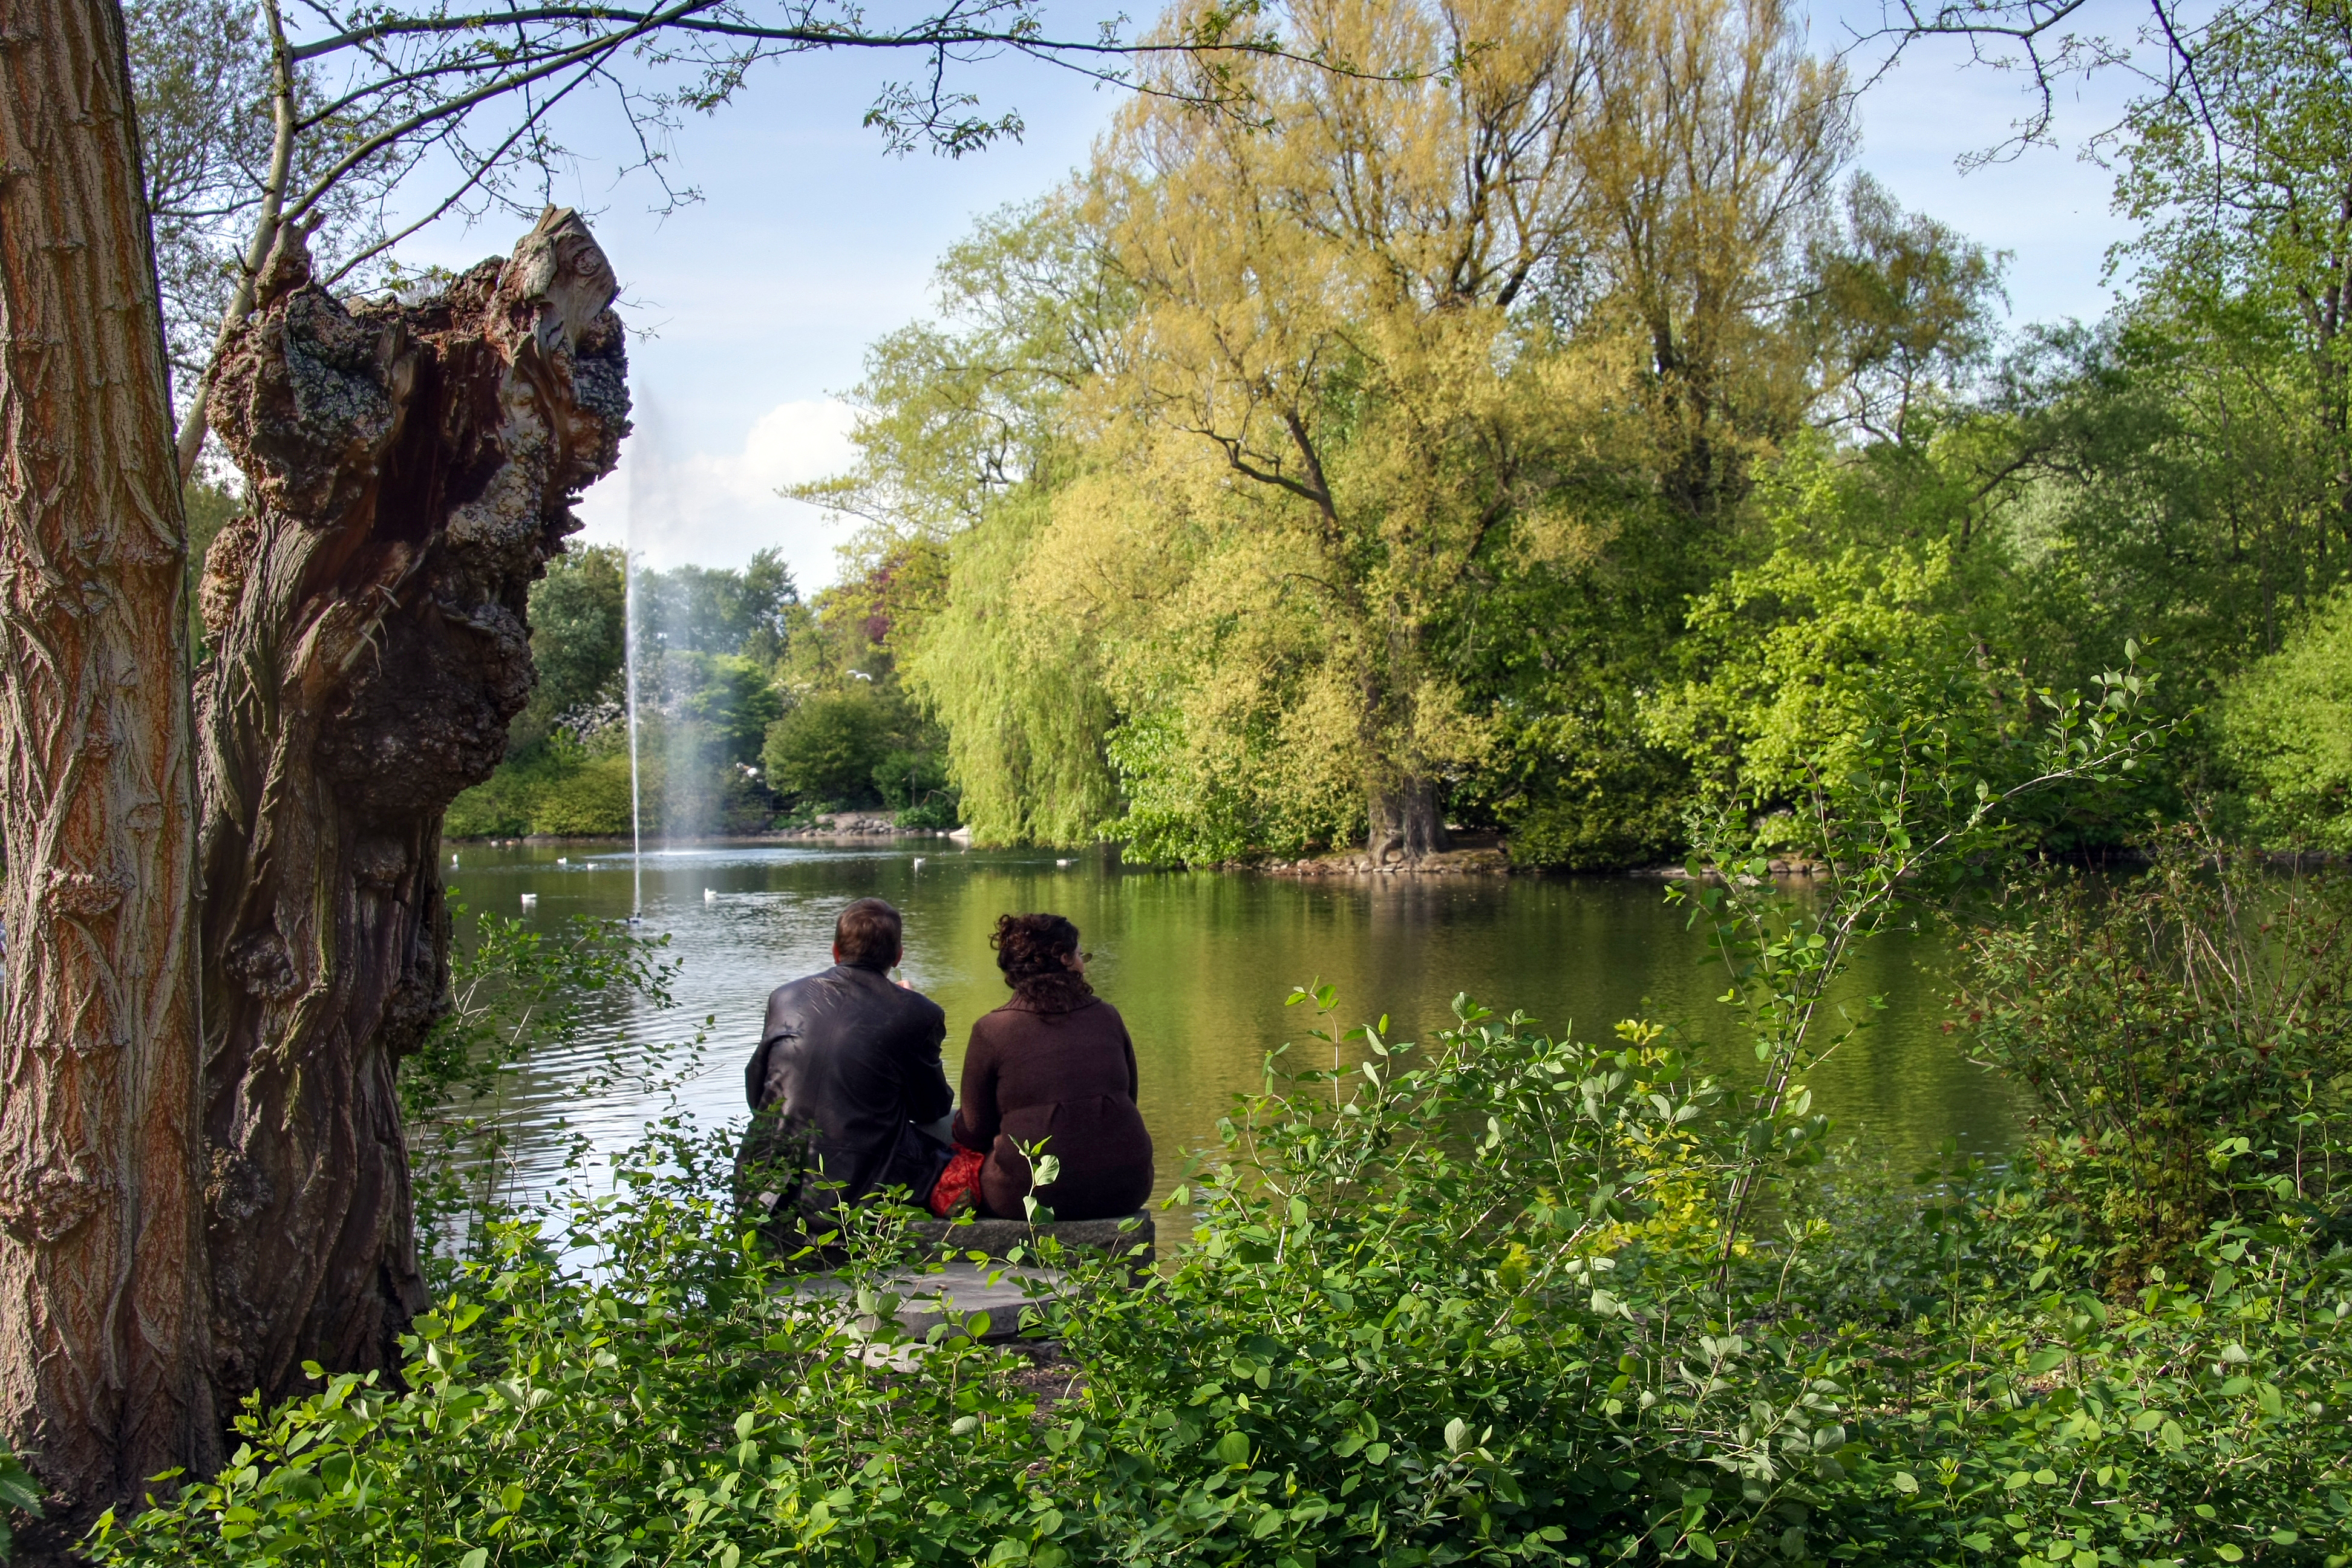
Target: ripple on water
(1199, 963)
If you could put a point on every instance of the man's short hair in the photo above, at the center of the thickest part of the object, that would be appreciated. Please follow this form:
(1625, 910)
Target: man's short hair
(869, 933)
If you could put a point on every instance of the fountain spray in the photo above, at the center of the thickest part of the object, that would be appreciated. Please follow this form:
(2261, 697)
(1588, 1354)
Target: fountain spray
(629, 661)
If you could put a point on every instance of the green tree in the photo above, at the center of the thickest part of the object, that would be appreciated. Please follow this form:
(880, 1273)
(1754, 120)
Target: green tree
(707, 609)
(1898, 309)
(578, 617)
(728, 698)
(826, 750)
(2242, 187)
(957, 411)
(965, 438)
(2287, 732)
(1341, 422)
(1280, 514)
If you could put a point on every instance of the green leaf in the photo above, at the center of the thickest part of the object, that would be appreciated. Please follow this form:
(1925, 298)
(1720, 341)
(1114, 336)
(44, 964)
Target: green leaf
(18, 1490)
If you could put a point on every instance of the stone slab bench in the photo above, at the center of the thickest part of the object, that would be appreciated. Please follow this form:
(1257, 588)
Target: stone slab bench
(997, 1237)
(961, 1286)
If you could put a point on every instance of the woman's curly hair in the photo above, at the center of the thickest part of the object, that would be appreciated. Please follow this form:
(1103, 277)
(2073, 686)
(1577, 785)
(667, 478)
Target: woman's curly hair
(1032, 949)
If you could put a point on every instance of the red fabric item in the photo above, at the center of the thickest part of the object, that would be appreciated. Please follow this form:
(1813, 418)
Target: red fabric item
(953, 1189)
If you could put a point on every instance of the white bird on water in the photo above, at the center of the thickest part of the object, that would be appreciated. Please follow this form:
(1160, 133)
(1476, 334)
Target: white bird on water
(1061, 862)
(918, 862)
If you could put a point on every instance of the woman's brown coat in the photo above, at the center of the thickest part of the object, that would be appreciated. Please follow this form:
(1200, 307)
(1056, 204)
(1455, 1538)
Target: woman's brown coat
(1065, 1080)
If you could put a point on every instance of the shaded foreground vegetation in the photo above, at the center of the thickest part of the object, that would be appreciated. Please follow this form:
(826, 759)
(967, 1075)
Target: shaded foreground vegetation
(1508, 1295)
(1462, 1302)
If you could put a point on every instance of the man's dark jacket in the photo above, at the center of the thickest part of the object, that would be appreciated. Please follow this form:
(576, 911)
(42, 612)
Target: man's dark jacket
(846, 1067)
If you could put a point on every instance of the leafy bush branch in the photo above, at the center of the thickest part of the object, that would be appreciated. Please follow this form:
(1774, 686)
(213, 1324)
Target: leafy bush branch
(1928, 792)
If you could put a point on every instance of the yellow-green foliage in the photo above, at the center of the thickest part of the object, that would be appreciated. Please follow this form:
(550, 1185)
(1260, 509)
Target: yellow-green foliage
(1872, 593)
(1802, 644)
(1016, 681)
(1328, 429)
(2286, 726)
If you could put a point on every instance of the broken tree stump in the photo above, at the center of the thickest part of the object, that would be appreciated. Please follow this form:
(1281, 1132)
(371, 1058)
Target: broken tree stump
(410, 468)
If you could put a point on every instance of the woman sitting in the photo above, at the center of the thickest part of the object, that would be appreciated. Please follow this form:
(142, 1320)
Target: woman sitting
(1052, 1066)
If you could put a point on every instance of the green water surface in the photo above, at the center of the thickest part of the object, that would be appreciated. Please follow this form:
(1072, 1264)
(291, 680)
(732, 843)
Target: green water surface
(1200, 963)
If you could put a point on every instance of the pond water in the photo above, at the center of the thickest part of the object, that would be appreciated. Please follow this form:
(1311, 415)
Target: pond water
(1200, 963)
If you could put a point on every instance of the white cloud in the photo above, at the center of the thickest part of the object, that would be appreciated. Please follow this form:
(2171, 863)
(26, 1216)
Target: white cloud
(715, 509)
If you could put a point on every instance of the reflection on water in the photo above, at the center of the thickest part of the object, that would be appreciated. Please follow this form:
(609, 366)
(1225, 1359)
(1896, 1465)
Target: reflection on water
(1200, 963)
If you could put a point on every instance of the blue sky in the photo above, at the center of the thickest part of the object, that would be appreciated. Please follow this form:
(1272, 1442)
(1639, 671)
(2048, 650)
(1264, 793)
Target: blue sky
(750, 309)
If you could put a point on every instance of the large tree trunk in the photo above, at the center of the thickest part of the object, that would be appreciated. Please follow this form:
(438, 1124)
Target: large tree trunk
(1405, 822)
(411, 467)
(104, 1365)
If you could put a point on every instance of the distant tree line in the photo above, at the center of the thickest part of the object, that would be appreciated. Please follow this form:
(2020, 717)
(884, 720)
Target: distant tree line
(754, 707)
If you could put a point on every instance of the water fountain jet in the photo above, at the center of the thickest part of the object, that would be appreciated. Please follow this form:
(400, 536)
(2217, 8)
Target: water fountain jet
(629, 662)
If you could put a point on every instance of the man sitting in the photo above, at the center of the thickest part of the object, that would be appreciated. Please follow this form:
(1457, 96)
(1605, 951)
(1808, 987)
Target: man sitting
(846, 1078)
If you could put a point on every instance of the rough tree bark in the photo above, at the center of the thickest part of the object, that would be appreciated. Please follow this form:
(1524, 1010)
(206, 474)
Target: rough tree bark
(411, 467)
(104, 1365)
(1405, 822)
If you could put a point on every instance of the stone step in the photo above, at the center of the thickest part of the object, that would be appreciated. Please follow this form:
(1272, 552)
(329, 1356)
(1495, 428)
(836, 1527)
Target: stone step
(996, 1238)
(953, 1290)
(957, 1285)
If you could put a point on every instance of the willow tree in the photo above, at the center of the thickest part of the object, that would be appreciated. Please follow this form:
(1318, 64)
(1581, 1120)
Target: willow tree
(965, 436)
(1327, 409)
(105, 1363)
(1416, 330)
(1714, 148)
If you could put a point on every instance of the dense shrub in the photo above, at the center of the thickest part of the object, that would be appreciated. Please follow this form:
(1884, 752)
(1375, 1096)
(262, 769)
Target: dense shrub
(826, 749)
(2186, 1037)
(2286, 732)
(1454, 1304)
(592, 799)
(561, 789)
(626, 1385)
(1510, 1298)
